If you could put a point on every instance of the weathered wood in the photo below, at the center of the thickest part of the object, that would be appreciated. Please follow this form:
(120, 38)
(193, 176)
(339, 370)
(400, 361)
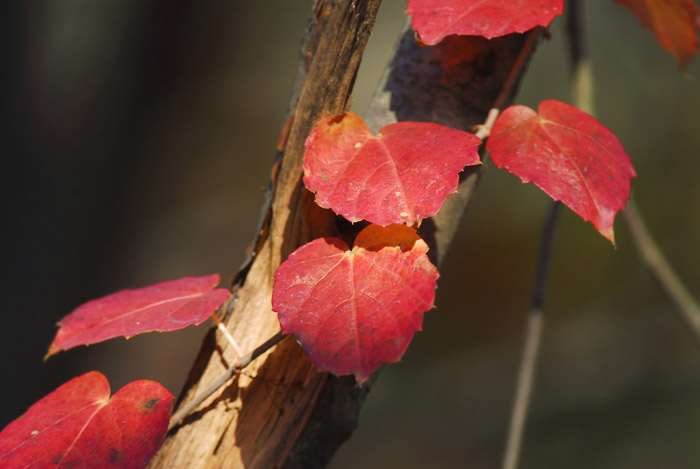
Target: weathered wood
(256, 420)
(281, 412)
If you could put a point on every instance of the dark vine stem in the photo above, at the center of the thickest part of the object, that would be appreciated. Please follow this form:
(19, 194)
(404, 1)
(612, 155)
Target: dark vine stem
(236, 368)
(582, 98)
(533, 336)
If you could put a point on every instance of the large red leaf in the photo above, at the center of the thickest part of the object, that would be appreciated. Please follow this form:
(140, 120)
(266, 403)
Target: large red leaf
(569, 155)
(353, 310)
(402, 175)
(79, 426)
(433, 20)
(675, 23)
(165, 306)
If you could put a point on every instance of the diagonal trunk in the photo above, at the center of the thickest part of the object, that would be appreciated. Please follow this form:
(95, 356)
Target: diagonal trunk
(280, 411)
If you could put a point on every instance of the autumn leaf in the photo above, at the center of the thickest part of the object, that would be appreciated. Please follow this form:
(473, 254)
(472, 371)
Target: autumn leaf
(675, 23)
(402, 175)
(79, 426)
(165, 306)
(353, 310)
(433, 20)
(569, 155)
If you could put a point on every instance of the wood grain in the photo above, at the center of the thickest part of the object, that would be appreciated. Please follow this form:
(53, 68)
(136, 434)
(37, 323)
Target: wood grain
(256, 420)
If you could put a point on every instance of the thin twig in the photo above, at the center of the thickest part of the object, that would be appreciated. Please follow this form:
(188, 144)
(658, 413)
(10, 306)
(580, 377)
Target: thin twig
(533, 336)
(222, 328)
(659, 266)
(649, 251)
(484, 130)
(259, 350)
(518, 66)
(241, 363)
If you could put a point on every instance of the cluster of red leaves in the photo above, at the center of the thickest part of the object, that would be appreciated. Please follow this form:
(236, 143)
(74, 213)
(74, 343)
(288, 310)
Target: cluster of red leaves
(78, 425)
(354, 310)
(351, 309)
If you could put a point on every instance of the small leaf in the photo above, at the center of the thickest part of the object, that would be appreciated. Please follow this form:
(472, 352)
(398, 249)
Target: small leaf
(353, 310)
(78, 425)
(165, 306)
(569, 155)
(402, 175)
(675, 23)
(433, 20)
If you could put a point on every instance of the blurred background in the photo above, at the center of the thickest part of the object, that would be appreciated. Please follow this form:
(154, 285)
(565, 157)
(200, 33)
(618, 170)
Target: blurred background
(137, 139)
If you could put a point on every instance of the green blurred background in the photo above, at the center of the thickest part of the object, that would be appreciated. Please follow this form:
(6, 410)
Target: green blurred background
(137, 139)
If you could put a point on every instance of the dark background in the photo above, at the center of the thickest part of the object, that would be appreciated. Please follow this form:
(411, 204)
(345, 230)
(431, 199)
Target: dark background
(137, 139)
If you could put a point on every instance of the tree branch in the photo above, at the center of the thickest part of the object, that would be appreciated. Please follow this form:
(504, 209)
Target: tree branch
(282, 412)
(257, 420)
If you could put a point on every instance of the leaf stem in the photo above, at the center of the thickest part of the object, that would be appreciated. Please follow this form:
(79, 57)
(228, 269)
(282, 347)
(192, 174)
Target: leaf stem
(484, 130)
(533, 336)
(518, 68)
(236, 368)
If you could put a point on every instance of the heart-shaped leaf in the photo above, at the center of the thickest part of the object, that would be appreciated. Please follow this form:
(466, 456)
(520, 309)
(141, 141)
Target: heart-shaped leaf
(165, 306)
(402, 175)
(433, 20)
(675, 23)
(569, 155)
(353, 310)
(79, 426)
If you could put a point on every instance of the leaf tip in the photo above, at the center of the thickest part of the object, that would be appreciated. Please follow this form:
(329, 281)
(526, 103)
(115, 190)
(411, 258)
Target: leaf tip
(609, 234)
(361, 379)
(53, 350)
(363, 375)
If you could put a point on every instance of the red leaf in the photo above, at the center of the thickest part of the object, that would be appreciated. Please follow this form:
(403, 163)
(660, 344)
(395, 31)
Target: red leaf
(78, 425)
(402, 175)
(165, 306)
(354, 310)
(569, 155)
(675, 23)
(433, 20)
